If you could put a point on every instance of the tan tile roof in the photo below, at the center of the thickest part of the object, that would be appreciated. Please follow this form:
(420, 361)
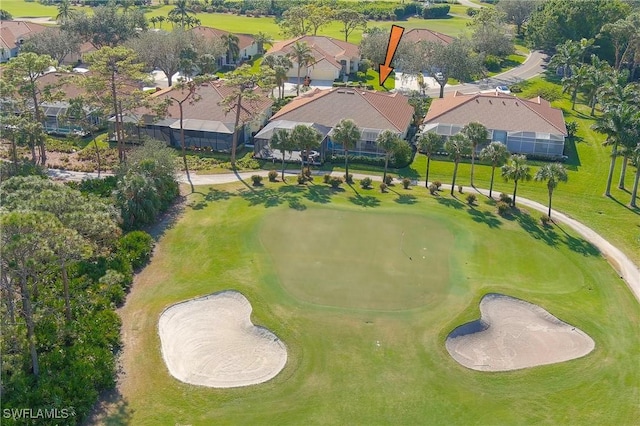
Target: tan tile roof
(423, 34)
(12, 31)
(244, 40)
(67, 82)
(328, 48)
(208, 108)
(497, 111)
(369, 109)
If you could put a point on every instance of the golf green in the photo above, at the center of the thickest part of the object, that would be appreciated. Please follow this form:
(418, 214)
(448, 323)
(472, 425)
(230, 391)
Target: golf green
(329, 273)
(336, 258)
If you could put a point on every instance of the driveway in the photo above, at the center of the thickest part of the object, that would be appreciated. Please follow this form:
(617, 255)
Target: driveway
(534, 65)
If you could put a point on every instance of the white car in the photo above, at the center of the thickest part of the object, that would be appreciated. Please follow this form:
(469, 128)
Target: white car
(503, 89)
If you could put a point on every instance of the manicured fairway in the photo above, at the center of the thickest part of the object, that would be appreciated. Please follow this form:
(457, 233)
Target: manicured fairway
(351, 362)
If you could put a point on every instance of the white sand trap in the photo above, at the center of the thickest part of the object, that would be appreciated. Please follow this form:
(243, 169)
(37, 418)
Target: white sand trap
(512, 334)
(211, 341)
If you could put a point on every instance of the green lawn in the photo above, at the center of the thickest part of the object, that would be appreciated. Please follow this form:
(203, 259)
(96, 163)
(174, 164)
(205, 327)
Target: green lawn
(581, 197)
(21, 8)
(318, 267)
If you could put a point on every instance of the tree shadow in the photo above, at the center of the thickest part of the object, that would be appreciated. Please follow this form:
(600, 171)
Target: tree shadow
(485, 217)
(635, 210)
(111, 409)
(294, 203)
(450, 202)
(167, 219)
(406, 199)
(318, 194)
(266, 197)
(365, 201)
(537, 231)
(291, 189)
(579, 245)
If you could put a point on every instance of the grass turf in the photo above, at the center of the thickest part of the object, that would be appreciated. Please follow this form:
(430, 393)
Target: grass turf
(336, 371)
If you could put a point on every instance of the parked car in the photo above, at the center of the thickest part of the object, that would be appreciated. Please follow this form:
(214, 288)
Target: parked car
(503, 89)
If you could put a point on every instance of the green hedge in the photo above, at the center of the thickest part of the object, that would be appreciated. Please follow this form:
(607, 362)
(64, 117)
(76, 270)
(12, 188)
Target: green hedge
(436, 11)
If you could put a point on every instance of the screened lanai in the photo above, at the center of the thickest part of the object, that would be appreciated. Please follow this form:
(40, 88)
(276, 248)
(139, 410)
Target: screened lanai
(544, 144)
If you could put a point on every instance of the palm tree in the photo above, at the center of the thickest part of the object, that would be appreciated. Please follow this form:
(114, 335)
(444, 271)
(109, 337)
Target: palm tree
(64, 11)
(516, 170)
(308, 139)
(575, 82)
(634, 192)
(388, 142)
(180, 13)
(154, 21)
(599, 73)
(231, 41)
(160, 20)
(262, 38)
(552, 173)
(457, 146)
(283, 141)
(347, 134)
(477, 134)
(281, 65)
(567, 55)
(617, 124)
(429, 144)
(301, 54)
(495, 153)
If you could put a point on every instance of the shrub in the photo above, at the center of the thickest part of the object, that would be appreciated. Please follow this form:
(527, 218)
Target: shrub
(516, 88)
(273, 175)
(335, 182)
(572, 128)
(438, 184)
(503, 208)
(136, 247)
(433, 189)
(544, 219)
(505, 198)
(436, 11)
(406, 182)
(365, 183)
(348, 179)
(383, 187)
(301, 179)
(307, 174)
(388, 179)
(471, 11)
(460, 189)
(492, 63)
(257, 180)
(326, 178)
(471, 199)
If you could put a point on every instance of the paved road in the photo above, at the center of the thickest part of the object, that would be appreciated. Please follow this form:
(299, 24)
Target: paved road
(534, 65)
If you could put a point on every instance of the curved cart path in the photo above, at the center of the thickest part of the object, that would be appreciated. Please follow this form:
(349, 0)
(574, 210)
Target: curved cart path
(626, 269)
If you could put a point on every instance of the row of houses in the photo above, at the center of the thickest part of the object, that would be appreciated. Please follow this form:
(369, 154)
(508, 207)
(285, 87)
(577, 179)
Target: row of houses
(13, 34)
(524, 126)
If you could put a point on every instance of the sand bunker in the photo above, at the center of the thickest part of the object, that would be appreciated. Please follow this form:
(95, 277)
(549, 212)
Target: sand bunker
(512, 334)
(211, 341)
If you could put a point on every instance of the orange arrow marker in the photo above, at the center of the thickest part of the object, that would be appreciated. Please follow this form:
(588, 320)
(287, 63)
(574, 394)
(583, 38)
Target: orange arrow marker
(394, 40)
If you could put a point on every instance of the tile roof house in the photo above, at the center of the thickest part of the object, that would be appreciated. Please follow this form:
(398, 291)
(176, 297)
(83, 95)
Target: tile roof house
(246, 44)
(13, 34)
(333, 58)
(524, 126)
(205, 122)
(373, 112)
